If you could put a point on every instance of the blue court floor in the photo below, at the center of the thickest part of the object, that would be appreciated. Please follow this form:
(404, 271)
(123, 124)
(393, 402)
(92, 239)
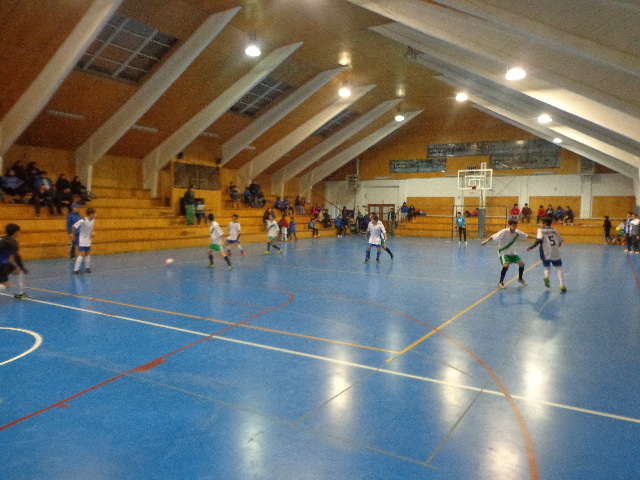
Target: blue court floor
(313, 365)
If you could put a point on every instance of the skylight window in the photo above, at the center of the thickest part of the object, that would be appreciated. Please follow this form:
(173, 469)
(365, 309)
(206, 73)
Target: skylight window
(125, 50)
(336, 122)
(263, 94)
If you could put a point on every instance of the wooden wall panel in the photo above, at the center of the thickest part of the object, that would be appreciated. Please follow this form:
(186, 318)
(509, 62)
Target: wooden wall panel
(614, 207)
(433, 205)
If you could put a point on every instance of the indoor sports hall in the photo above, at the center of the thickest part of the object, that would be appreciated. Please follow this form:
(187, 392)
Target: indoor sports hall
(319, 239)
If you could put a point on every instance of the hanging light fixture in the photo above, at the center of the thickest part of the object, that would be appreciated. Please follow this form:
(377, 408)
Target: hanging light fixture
(344, 91)
(462, 97)
(515, 73)
(253, 48)
(545, 118)
(399, 117)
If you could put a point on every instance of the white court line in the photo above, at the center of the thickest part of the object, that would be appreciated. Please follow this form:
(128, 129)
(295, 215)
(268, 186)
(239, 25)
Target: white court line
(343, 362)
(37, 343)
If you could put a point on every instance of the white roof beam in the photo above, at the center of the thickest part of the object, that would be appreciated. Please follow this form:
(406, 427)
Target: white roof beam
(113, 129)
(242, 139)
(308, 158)
(36, 97)
(327, 168)
(182, 137)
(269, 156)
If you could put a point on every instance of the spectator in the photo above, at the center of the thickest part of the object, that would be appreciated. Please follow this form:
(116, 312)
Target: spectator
(286, 206)
(62, 183)
(12, 185)
(411, 212)
(278, 204)
(338, 224)
(19, 171)
(190, 204)
(559, 214)
(551, 213)
(234, 194)
(65, 198)
(526, 213)
(312, 226)
(541, 214)
(404, 211)
(247, 197)
(514, 214)
(299, 205)
(45, 194)
(568, 216)
(32, 174)
(79, 190)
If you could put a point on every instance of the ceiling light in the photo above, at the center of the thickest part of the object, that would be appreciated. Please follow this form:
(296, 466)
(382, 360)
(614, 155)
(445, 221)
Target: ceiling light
(399, 117)
(344, 92)
(544, 118)
(462, 97)
(557, 140)
(515, 74)
(252, 50)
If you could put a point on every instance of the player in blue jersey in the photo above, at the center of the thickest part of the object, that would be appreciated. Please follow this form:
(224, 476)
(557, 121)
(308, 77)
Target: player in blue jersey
(72, 217)
(550, 242)
(462, 227)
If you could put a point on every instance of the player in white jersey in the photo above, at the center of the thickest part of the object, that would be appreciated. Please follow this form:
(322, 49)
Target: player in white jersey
(234, 236)
(84, 230)
(506, 239)
(550, 242)
(215, 232)
(376, 233)
(272, 233)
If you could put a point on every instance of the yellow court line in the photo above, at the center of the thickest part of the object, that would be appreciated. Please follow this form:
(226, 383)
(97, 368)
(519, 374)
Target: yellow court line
(440, 327)
(225, 322)
(347, 363)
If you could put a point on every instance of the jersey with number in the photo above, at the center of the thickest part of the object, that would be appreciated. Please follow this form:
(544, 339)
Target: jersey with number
(234, 231)
(272, 228)
(551, 241)
(506, 240)
(216, 233)
(376, 232)
(84, 229)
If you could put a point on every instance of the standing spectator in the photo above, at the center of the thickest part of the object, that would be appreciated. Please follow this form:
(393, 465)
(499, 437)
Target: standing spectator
(234, 194)
(72, 218)
(293, 237)
(568, 216)
(199, 211)
(607, 231)
(506, 238)
(365, 222)
(190, 204)
(462, 228)
(84, 229)
(635, 232)
(247, 197)
(411, 212)
(514, 213)
(541, 214)
(559, 214)
(626, 227)
(338, 224)
(525, 214)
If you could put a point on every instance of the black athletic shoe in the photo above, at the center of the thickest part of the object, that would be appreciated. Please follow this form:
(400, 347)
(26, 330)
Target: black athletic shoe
(87, 270)
(77, 272)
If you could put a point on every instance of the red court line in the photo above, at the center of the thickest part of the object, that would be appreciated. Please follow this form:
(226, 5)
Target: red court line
(633, 269)
(144, 367)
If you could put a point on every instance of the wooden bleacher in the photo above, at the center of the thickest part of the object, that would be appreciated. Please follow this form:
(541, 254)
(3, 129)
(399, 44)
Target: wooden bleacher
(583, 230)
(129, 220)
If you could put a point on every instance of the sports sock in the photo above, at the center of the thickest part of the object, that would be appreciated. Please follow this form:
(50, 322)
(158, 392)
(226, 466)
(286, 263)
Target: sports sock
(503, 273)
(78, 262)
(268, 246)
(87, 261)
(520, 272)
(547, 271)
(368, 255)
(226, 259)
(210, 259)
(561, 276)
(20, 283)
(389, 251)
(276, 247)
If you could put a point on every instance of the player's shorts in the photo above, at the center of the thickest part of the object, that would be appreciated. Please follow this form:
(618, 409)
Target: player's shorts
(271, 239)
(555, 263)
(216, 247)
(377, 245)
(509, 259)
(232, 241)
(84, 249)
(5, 270)
(283, 230)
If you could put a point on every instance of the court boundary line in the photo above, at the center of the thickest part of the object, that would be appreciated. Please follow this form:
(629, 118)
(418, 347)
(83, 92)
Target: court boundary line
(35, 346)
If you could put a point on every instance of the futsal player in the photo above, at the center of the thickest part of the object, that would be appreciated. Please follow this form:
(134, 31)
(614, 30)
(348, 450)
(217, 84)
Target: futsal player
(506, 239)
(375, 231)
(234, 235)
(462, 228)
(10, 261)
(550, 242)
(272, 233)
(215, 245)
(83, 228)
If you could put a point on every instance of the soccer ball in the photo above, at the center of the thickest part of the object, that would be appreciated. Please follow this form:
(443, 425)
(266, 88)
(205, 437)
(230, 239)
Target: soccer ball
(169, 261)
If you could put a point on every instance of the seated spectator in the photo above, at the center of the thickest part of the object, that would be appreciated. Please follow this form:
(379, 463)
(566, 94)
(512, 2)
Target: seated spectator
(299, 205)
(12, 185)
(32, 174)
(541, 214)
(525, 214)
(66, 198)
(45, 193)
(559, 214)
(234, 194)
(474, 212)
(77, 188)
(411, 212)
(326, 219)
(19, 171)
(62, 183)
(312, 226)
(514, 214)
(277, 205)
(551, 213)
(315, 210)
(247, 197)
(286, 206)
(568, 216)
(404, 211)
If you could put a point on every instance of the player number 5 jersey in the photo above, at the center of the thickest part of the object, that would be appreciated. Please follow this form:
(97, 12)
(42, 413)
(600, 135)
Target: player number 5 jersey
(551, 241)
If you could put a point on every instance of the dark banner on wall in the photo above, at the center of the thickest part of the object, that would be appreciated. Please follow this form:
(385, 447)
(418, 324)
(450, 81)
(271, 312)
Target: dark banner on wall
(201, 176)
(418, 166)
